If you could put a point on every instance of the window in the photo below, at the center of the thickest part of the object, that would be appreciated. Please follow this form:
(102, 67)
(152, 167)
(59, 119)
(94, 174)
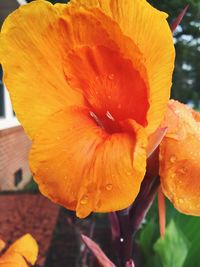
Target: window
(18, 177)
(7, 116)
(2, 104)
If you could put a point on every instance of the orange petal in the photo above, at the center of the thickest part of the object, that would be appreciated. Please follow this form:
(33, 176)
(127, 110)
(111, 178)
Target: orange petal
(30, 53)
(2, 245)
(82, 26)
(27, 247)
(180, 157)
(12, 259)
(109, 82)
(80, 166)
(155, 42)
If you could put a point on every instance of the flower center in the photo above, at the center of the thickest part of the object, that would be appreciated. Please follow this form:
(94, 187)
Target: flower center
(113, 89)
(108, 123)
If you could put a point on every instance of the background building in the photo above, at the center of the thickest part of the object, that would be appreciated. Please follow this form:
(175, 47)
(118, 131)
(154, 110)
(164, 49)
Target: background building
(14, 144)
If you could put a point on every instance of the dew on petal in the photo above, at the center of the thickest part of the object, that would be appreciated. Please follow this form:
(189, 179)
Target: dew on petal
(173, 175)
(181, 201)
(109, 187)
(144, 60)
(182, 170)
(143, 145)
(111, 76)
(173, 159)
(84, 200)
(119, 106)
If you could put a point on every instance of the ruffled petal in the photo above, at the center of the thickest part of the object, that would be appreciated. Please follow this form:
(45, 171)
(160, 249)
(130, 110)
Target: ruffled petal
(30, 53)
(95, 55)
(149, 30)
(180, 157)
(80, 166)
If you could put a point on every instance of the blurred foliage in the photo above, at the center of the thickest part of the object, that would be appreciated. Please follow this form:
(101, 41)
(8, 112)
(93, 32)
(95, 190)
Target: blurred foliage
(186, 80)
(179, 248)
(31, 187)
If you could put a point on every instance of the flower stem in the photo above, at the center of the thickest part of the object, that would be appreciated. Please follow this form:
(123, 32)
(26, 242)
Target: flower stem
(126, 237)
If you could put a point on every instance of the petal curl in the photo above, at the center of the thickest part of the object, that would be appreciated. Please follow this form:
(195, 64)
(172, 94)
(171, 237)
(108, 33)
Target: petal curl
(180, 157)
(80, 166)
(149, 30)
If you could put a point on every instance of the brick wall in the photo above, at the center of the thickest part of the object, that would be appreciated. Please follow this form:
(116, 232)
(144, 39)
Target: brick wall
(14, 148)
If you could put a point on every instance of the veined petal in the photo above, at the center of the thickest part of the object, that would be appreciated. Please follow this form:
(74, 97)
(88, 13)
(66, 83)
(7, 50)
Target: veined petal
(30, 53)
(180, 157)
(78, 165)
(149, 30)
(40, 56)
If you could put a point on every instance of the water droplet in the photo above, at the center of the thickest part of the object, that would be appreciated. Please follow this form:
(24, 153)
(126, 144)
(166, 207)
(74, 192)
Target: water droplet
(111, 76)
(97, 78)
(198, 205)
(109, 96)
(84, 200)
(177, 112)
(109, 187)
(181, 201)
(119, 106)
(121, 240)
(144, 60)
(173, 175)
(182, 170)
(172, 159)
(143, 145)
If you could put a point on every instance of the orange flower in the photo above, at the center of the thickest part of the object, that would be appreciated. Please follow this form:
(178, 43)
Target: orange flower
(180, 157)
(89, 81)
(24, 249)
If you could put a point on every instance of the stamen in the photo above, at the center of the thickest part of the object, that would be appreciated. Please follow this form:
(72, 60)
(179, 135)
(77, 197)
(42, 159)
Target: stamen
(108, 114)
(162, 211)
(94, 116)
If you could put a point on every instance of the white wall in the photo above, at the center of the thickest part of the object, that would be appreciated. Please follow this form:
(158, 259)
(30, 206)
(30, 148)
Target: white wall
(9, 120)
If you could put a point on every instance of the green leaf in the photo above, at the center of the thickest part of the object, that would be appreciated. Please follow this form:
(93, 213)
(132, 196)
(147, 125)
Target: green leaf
(147, 238)
(173, 248)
